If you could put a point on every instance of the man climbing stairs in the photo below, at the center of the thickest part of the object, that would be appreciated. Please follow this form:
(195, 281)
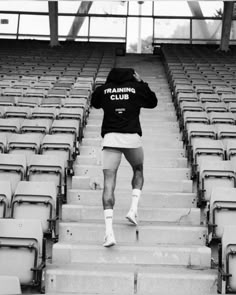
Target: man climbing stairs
(166, 253)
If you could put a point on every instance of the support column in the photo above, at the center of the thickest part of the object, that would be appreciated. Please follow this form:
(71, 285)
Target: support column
(53, 22)
(226, 25)
(79, 20)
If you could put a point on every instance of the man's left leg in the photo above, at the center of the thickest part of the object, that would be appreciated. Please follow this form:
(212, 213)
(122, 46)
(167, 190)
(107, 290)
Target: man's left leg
(135, 158)
(111, 162)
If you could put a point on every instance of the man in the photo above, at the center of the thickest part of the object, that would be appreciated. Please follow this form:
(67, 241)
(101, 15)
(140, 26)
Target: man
(121, 98)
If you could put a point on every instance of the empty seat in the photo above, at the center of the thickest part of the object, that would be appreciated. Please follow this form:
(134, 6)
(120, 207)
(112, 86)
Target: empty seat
(228, 97)
(61, 145)
(211, 97)
(194, 117)
(10, 91)
(195, 130)
(50, 167)
(35, 92)
(221, 117)
(36, 200)
(26, 144)
(225, 131)
(230, 149)
(27, 101)
(5, 198)
(55, 102)
(203, 149)
(7, 100)
(22, 251)
(36, 125)
(227, 261)
(9, 285)
(10, 125)
(67, 126)
(213, 174)
(62, 93)
(215, 107)
(222, 210)
(44, 112)
(17, 112)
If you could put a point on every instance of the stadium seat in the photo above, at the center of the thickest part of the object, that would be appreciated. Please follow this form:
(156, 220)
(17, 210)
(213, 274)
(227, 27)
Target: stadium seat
(193, 117)
(222, 210)
(32, 92)
(44, 112)
(195, 130)
(227, 263)
(7, 100)
(213, 174)
(36, 125)
(10, 91)
(225, 131)
(215, 107)
(36, 200)
(27, 144)
(27, 101)
(55, 102)
(210, 97)
(203, 149)
(50, 167)
(221, 117)
(17, 112)
(22, 250)
(5, 198)
(10, 125)
(62, 93)
(61, 145)
(9, 285)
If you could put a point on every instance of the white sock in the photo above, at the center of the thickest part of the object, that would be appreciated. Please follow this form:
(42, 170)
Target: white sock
(136, 193)
(108, 216)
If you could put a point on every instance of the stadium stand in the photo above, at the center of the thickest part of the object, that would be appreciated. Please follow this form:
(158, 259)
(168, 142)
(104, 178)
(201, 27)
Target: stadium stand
(189, 195)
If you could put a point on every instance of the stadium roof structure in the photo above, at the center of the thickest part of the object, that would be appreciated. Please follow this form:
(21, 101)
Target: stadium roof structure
(54, 15)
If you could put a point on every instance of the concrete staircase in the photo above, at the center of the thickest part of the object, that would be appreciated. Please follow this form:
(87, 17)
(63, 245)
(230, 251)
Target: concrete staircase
(166, 253)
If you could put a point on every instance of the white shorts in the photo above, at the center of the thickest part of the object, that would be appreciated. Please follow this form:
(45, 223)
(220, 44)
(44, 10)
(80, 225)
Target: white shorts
(122, 140)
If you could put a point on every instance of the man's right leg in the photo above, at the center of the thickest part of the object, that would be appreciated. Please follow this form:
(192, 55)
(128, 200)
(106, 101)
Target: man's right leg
(111, 162)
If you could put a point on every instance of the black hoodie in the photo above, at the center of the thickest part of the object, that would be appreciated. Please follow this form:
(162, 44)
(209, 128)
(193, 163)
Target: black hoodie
(121, 99)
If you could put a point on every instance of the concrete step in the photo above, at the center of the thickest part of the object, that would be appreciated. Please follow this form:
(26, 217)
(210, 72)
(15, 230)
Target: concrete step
(191, 256)
(154, 153)
(159, 174)
(157, 117)
(149, 161)
(169, 126)
(152, 143)
(145, 233)
(106, 279)
(123, 198)
(76, 212)
(147, 136)
(86, 182)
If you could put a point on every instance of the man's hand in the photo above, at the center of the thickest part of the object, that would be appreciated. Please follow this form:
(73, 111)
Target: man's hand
(137, 77)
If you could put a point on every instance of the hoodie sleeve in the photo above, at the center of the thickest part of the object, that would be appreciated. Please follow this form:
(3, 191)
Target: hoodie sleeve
(96, 100)
(148, 98)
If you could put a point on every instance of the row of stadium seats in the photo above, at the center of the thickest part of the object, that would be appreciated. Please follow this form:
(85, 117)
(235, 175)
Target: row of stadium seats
(202, 81)
(44, 106)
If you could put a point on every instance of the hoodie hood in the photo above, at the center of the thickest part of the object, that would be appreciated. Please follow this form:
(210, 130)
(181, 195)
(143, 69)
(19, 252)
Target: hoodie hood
(120, 75)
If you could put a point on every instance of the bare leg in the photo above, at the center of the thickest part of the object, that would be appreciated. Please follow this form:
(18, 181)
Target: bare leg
(135, 158)
(108, 197)
(111, 162)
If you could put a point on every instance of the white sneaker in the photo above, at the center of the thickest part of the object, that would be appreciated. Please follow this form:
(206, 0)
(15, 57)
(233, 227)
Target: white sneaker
(131, 216)
(109, 240)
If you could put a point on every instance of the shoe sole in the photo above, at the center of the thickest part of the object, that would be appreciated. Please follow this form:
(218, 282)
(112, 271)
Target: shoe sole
(131, 220)
(109, 245)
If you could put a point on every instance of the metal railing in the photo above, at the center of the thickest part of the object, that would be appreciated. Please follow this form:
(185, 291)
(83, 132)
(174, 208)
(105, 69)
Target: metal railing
(157, 39)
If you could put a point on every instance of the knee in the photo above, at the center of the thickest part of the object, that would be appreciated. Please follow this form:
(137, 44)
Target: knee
(138, 168)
